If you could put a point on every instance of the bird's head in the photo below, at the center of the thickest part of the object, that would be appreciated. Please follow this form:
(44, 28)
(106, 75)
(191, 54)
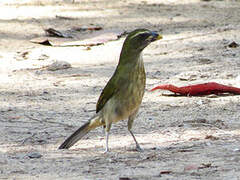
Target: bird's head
(138, 39)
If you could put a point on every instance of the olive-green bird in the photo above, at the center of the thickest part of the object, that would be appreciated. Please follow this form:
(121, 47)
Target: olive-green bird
(122, 96)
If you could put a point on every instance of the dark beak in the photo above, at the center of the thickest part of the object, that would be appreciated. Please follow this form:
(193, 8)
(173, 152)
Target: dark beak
(155, 36)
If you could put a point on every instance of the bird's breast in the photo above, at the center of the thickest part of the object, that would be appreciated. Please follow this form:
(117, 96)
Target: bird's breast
(130, 96)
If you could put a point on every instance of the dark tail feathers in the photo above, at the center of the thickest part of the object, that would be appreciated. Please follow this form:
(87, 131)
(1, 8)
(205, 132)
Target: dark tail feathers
(82, 131)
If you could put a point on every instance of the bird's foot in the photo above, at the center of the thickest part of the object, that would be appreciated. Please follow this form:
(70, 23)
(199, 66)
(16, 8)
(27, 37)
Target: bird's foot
(138, 148)
(106, 151)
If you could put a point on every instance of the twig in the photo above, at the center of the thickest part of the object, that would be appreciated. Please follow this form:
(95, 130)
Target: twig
(51, 122)
(76, 75)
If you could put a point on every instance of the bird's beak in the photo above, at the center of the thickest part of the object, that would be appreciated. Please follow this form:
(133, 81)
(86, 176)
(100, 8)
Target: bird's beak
(155, 36)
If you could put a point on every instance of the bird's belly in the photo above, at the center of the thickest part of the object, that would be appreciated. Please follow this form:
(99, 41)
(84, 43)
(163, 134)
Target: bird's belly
(124, 103)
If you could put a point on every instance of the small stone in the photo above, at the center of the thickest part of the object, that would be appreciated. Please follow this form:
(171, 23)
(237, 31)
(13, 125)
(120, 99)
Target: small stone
(200, 102)
(205, 61)
(201, 49)
(34, 155)
(59, 65)
(125, 178)
(236, 150)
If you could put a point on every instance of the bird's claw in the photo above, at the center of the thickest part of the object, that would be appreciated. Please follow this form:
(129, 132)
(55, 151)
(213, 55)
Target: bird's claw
(106, 151)
(139, 149)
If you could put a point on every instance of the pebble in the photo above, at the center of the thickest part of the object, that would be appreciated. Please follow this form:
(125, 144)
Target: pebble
(34, 155)
(58, 65)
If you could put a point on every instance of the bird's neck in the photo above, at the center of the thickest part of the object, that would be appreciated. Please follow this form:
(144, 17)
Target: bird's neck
(130, 65)
(130, 57)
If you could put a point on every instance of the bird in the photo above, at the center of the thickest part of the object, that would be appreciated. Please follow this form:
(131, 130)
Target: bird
(122, 96)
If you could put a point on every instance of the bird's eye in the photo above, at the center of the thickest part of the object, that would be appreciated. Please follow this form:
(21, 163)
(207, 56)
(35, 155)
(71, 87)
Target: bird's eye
(144, 35)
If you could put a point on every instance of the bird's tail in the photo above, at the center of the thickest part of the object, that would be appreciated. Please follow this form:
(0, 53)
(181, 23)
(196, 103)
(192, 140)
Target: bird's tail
(83, 130)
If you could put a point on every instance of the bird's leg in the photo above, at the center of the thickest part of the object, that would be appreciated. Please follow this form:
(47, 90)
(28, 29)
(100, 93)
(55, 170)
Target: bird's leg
(130, 123)
(107, 130)
(138, 148)
(104, 129)
(106, 147)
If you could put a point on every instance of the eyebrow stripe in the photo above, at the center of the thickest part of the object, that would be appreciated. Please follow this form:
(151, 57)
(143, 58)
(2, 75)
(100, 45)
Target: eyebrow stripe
(139, 33)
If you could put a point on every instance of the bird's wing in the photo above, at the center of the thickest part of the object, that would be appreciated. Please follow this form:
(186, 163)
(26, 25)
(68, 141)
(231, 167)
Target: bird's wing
(109, 90)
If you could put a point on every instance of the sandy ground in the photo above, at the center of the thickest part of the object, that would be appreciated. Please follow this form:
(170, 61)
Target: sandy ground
(182, 137)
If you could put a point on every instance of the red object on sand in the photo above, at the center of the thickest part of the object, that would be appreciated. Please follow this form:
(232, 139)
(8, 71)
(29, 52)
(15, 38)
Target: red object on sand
(200, 89)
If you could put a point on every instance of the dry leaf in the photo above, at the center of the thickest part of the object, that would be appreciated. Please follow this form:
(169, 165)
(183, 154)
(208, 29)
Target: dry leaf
(80, 39)
(85, 28)
(165, 172)
(233, 45)
(55, 33)
(211, 137)
(207, 165)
